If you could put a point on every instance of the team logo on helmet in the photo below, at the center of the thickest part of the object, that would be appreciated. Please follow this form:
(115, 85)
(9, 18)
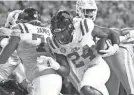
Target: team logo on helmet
(62, 50)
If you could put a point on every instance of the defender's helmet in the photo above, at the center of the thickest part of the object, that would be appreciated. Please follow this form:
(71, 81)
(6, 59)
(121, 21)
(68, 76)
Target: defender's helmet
(12, 18)
(86, 9)
(29, 14)
(62, 27)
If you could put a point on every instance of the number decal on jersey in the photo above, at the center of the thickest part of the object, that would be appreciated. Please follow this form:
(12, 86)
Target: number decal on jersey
(43, 30)
(40, 47)
(35, 36)
(87, 52)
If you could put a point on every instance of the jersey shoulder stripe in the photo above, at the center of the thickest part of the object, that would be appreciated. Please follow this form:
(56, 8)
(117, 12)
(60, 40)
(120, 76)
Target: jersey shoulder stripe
(21, 28)
(18, 29)
(50, 43)
(86, 26)
(56, 44)
(26, 29)
(81, 27)
(53, 44)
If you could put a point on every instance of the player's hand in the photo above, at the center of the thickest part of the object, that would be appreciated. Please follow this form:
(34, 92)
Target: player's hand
(55, 65)
(48, 60)
(42, 60)
(110, 51)
(131, 33)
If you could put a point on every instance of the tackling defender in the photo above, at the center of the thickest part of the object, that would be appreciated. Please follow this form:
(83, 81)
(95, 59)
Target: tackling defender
(14, 60)
(124, 66)
(28, 38)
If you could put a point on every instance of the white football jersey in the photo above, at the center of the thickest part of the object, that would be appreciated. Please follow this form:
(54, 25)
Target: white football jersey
(32, 37)
(81, 49)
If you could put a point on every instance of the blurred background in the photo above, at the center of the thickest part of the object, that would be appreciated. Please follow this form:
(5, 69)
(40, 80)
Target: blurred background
(119, 14)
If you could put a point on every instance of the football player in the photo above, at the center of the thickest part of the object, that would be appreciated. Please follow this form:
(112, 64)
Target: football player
(72, 42)
(88, 9)
(7, 68)
(28, 38)
(13, 67)
(124, 58)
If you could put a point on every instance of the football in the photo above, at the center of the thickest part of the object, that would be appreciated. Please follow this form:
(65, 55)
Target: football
(101, 45)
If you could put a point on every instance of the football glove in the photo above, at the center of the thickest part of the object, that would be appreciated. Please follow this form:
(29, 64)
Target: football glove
(49, 61)
(110, 51)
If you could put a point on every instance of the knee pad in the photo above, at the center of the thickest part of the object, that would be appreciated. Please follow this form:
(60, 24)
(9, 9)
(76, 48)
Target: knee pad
(88, 90)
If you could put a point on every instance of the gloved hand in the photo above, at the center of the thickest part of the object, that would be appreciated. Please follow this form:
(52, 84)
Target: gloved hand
(131, 33)
(49, 61)
(110, 51)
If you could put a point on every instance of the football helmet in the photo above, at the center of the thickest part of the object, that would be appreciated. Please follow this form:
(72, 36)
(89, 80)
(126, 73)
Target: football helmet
(86, 9)
(12, 18)
(62, 27)
(29, 14)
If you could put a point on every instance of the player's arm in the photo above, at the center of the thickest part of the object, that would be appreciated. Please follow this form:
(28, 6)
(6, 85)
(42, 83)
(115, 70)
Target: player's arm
(127, 32)
(100, 32)
(124, 33)
(8, 50)
(106, 33)
(64, 68)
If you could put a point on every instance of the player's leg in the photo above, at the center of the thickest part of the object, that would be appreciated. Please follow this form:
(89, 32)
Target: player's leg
(20, 73)
(122, 90)
(73, 77)
(94, 79)
(123, 68)
(113, 84)
(47, 85)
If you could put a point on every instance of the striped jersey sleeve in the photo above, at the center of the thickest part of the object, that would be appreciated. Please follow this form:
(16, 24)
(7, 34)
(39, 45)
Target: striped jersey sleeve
(86, 26)
(18, 29)
(52, 43)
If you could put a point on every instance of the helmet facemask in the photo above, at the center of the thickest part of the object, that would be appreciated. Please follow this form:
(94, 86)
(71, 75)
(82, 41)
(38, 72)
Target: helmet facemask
(62, 27)
(86, 9)
(89, 13)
